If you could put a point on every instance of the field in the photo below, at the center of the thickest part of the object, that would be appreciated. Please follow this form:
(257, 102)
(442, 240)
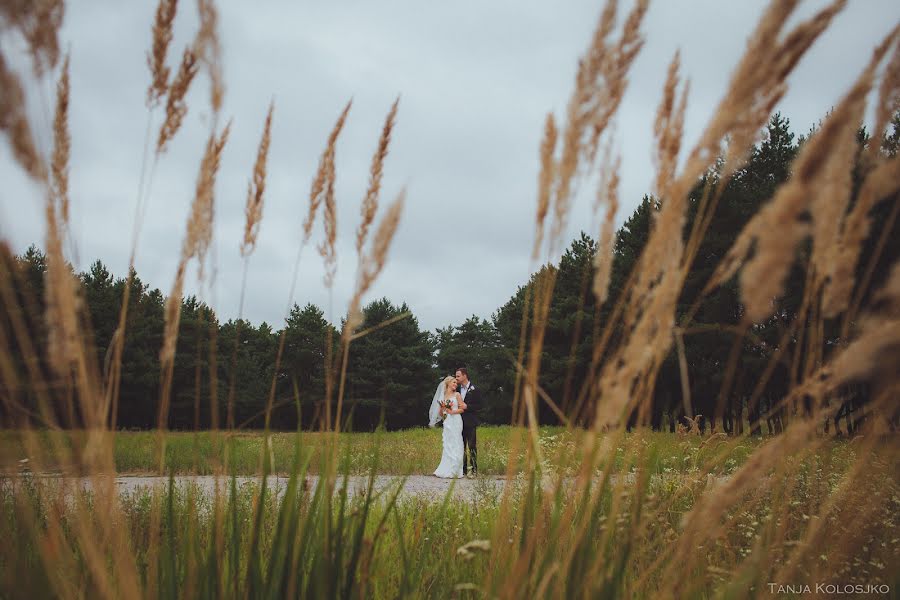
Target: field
(412, 451)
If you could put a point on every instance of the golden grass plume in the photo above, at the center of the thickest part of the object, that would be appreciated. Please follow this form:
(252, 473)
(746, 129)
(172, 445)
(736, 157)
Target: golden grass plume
(376, 171)
(374, 261)
(327, 249)
(599, 87)
(626, 380)
(62, 143)
(668, 129)
(608, 193)
(209, 51)
(777, 229)
(323, 173)
(38, 22)
(256, 188)
(197, 237)
(14, 121)
(176, 107)
(546, 177)
(881, 179)
(156, 58)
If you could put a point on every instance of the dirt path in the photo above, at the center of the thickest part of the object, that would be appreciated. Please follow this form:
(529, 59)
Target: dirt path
(421, 486)
(426, 486)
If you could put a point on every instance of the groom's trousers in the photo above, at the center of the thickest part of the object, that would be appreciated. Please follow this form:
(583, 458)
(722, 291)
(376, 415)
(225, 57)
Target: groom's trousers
(470, 443)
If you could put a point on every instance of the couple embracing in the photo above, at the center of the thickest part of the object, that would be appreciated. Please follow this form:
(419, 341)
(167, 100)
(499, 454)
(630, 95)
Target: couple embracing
(456, 401)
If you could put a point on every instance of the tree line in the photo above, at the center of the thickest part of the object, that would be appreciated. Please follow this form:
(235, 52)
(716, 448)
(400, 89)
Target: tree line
(229, 368)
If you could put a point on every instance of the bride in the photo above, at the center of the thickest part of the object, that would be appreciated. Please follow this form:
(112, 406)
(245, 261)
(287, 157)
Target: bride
(452, 456)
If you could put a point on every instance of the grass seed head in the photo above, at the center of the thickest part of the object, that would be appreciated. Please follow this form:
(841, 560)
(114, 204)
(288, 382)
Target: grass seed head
(370, 201)
(323, 173)
(545, 181)
(156, 58)
(62, 141)
(38, 22)
(14, 121)
(176, 107)
(209, 51)
(256, 188)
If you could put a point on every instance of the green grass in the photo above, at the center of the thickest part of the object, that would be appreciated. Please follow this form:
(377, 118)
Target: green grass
(412, 451)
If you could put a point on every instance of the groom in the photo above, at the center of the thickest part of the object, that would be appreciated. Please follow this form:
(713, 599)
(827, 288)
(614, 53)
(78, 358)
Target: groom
(472, 397)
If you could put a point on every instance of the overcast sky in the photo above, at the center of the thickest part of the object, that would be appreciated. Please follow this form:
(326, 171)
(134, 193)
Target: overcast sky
(476, 80)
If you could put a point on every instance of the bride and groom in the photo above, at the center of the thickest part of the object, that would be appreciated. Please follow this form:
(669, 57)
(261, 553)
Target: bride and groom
(456, 401)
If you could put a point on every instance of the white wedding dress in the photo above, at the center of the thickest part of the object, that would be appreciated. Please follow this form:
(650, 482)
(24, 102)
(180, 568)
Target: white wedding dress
(452, 456)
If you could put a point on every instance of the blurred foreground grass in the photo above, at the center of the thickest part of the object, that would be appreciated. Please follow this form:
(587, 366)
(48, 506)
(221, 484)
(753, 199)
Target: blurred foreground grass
(320, 541)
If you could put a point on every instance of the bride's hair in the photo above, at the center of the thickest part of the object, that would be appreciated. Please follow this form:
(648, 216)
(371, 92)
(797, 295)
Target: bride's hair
(447, 381)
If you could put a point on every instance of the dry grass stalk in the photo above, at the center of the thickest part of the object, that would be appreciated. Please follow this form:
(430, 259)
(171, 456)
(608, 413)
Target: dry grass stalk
(62, 142)
(369, 267)
(777, 229)
(648, 342)
(609, 188)
(755, 87)
(14, 122)
(599, 86)
(668, 129)
(872, 357)
(65, 337)
(880, 183)
(702, 522)
(256, 188)
(374, 261)
(156, 58)
(370, 202)
(649, 318)
(614, 68)
(209, 51)
(829, 205)
(172, 316)
(176, 107)
(816, 535)
(200, 225)
(197, 238)
(325, 170)
(888, 102)
(381, 244)
(327, 248)
(757, 84)
(39, 23)
(881, 180)
(545, 181)
(62, 323)
(875, 353)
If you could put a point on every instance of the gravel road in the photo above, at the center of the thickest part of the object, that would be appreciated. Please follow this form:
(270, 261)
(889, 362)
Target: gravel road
(426, 486)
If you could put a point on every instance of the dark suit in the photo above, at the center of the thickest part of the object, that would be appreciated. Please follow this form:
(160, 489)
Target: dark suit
(470, 427)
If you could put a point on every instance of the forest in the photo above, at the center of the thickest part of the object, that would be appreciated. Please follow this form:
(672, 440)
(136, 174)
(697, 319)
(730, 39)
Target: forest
(225, 372)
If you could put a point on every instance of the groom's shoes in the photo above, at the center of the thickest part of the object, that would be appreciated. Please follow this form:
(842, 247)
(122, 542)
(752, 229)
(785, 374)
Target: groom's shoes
(471, 475)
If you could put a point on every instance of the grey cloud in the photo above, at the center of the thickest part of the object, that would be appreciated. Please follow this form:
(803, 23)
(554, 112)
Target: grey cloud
(476, 81)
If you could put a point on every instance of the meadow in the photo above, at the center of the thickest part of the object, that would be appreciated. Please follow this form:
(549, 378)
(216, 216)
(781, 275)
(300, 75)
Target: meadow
(407, 452)
(600, 507)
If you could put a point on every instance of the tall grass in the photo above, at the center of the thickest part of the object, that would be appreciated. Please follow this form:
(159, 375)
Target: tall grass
(585, 512)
